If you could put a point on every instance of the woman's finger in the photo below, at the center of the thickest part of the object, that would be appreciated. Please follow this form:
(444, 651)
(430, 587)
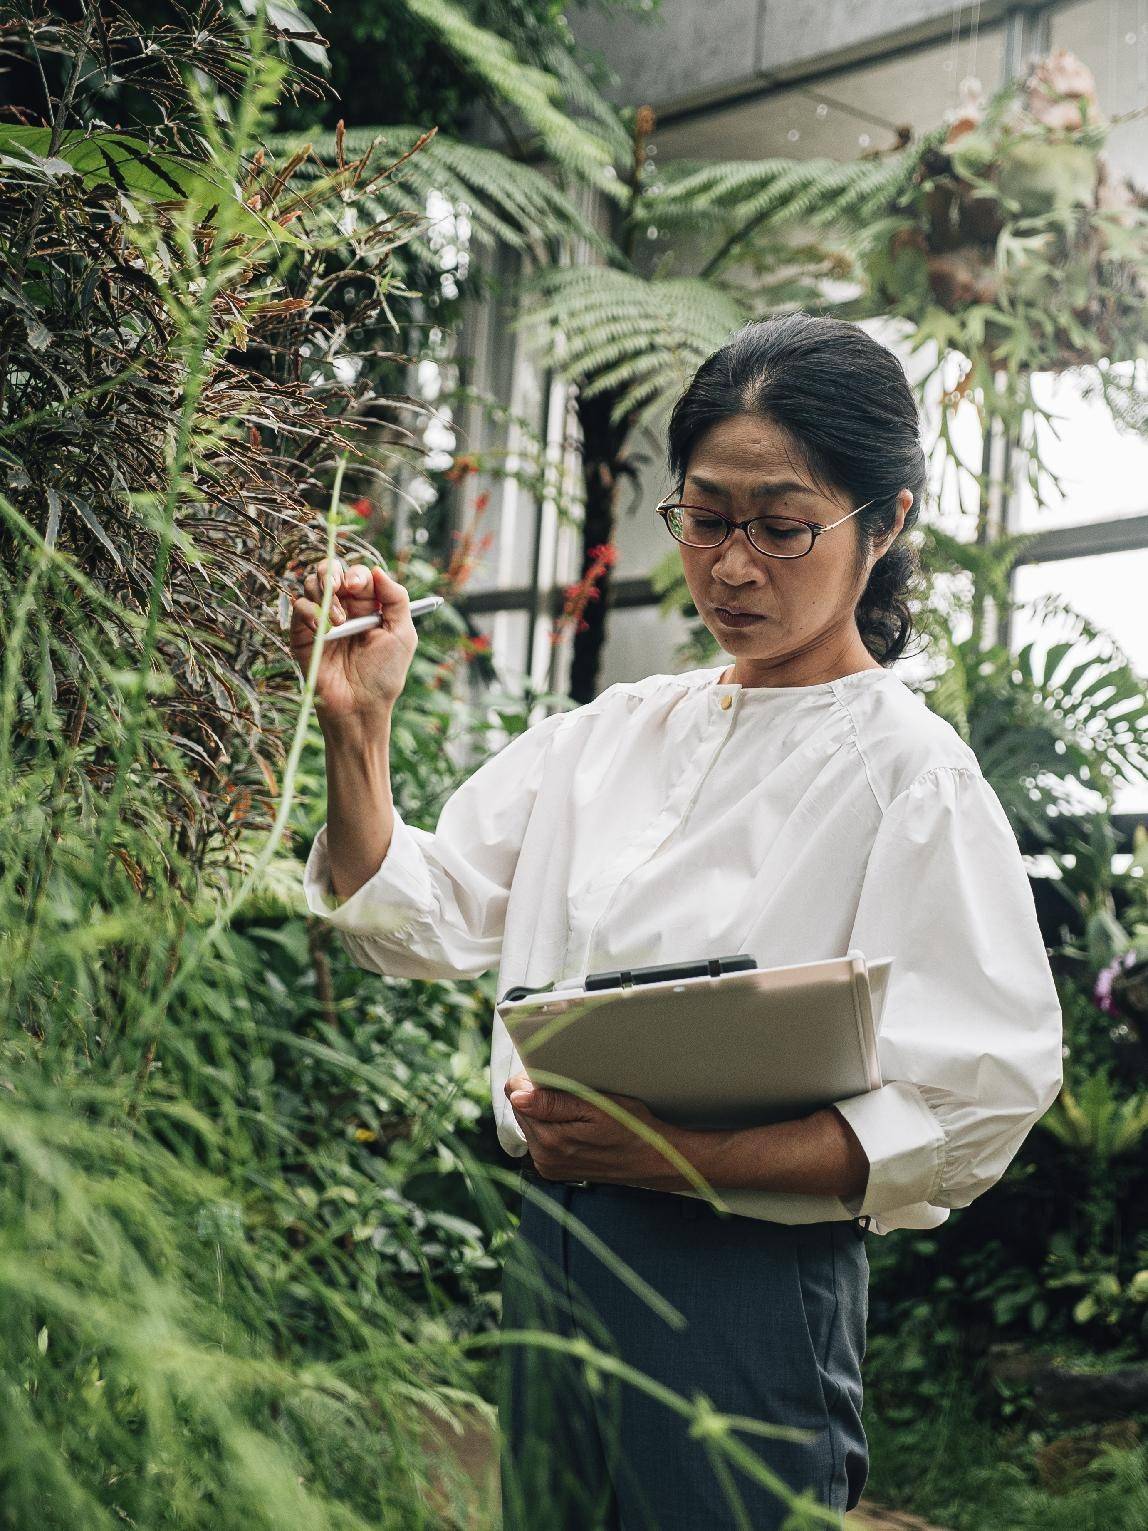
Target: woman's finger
(309, 611)
(355, 590)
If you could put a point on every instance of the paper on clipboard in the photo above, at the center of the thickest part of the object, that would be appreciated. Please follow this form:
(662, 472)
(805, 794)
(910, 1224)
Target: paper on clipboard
(738, 1050)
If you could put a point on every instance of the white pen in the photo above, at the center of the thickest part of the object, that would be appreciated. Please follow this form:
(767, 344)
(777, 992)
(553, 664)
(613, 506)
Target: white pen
(366, 624)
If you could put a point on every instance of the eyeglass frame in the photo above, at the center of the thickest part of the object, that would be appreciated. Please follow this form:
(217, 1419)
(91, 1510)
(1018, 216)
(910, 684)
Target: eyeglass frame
(816, 527)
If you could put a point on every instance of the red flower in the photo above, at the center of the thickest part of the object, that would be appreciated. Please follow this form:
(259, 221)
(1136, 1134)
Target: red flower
(579, 596)
(362, 506)
(461, 466)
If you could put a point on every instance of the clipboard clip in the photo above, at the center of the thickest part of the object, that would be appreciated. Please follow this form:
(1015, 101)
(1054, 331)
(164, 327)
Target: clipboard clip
(661, 972)
(667, 972)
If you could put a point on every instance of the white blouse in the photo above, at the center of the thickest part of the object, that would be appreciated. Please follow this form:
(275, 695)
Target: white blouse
(676, 817)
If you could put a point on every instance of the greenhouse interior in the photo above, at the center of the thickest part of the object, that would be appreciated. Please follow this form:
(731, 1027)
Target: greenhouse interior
(323, 1206)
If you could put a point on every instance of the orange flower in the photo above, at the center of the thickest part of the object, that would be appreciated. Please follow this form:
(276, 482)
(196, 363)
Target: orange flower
(578, 597)
(467, 553)
(460, 468)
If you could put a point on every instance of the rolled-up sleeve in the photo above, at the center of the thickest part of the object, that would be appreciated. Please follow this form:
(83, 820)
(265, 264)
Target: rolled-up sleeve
(970, 1042)
(436, 906)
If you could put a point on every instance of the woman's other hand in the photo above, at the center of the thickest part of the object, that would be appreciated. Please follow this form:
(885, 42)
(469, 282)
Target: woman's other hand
(571, 1139)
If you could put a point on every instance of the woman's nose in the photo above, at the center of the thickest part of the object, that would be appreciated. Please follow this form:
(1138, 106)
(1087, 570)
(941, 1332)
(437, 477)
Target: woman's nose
(738, 561)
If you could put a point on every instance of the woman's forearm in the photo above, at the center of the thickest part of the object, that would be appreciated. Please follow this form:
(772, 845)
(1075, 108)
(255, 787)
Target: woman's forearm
(360, 809)
(816, 1155)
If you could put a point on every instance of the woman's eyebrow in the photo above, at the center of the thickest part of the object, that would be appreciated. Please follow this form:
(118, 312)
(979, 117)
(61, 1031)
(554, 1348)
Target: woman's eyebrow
(779, 486)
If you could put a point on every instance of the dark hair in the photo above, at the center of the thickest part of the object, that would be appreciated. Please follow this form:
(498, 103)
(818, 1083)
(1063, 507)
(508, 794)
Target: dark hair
(845, 401)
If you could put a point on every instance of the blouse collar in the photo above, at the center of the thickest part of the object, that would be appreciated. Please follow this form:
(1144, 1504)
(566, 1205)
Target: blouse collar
(709, 679)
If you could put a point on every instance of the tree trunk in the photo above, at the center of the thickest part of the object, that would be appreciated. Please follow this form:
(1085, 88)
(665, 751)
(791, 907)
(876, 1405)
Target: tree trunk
(603, 466)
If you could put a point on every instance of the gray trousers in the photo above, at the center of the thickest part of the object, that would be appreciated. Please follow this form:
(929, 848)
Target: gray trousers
(774, 1332)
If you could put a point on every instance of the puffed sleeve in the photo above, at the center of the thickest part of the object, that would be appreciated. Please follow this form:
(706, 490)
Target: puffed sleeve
(436, 907)
(971, 1040)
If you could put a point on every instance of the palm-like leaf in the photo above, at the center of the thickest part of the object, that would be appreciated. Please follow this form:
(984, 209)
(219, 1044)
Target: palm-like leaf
(640, 340)
(1096, 1121)
(820, 191)
(745, 203)
(536, 94)
(583, 100)
(1041, 724)
(505, 200)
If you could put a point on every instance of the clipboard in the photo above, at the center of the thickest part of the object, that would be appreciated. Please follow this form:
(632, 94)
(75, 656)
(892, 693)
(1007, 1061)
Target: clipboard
(741, 1048)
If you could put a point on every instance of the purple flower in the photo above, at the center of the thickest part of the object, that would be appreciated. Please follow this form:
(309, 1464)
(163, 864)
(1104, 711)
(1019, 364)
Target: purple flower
(1102, 990)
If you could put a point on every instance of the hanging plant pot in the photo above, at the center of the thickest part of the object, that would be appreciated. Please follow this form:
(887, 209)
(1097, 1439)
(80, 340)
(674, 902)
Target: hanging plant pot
(1014, 225)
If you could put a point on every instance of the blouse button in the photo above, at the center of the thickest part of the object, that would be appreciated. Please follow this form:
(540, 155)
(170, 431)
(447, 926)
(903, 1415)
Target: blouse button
(726, 703)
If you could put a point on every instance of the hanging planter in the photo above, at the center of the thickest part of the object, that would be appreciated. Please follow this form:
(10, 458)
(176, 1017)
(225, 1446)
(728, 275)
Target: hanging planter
(1014, 243)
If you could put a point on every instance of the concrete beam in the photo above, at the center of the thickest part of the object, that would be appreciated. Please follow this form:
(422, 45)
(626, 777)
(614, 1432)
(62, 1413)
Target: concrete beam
(688, 56)
(1122, 534)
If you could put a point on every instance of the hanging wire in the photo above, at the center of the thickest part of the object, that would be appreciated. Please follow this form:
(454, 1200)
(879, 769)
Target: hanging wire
(954, 45)
(1113, 57)
(975, 35)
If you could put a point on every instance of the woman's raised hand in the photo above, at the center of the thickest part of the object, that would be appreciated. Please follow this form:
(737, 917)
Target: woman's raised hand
(361, 677)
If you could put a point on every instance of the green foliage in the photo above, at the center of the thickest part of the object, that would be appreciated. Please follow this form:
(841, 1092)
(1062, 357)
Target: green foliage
(504, 201)
(738, 197)
(533, 92)
(637, 340)
(219, 1278)
(1098, 1123)
(992, 218)
(953, 1463)
(1043, 724)
(133, 168)
(162, 443)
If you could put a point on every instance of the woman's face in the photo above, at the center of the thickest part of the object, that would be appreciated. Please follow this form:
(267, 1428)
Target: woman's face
(745, 467)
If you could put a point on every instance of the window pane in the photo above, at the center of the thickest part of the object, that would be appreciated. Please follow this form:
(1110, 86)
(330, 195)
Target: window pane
(1109, 589)
(1103, 470)
(1111, 36)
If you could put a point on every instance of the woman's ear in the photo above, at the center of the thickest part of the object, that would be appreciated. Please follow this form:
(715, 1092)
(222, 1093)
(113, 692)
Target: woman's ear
(904, 505)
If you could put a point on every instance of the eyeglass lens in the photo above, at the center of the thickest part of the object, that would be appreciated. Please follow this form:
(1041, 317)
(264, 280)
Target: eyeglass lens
(775, 535)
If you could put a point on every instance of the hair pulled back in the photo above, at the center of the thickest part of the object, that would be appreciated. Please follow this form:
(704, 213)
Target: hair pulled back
(844, 400)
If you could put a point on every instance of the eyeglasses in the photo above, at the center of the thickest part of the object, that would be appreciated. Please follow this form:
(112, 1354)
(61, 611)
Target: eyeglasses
(775, 536)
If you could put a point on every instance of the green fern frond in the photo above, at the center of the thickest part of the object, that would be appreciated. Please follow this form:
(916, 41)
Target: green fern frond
(534, 93)
(583, 100)
(1088, 682)
(782, 190)
(505, 200)
(1096, 1121)
(1043, 724)
(638, 339)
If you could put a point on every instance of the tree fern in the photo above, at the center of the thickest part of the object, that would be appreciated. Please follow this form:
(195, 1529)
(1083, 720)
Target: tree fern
(817, 190)
(1097, 1120)
(583, 100)
(534, 93)
(638, 339)
(505, 200)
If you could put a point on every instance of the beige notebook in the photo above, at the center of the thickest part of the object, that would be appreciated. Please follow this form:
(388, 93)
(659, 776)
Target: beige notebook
(763, 1045)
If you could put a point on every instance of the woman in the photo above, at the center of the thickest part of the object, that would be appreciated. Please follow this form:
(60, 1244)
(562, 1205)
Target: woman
(794, 804)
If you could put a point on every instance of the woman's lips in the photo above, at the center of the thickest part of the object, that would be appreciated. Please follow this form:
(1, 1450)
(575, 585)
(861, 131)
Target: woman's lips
(730, 619)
